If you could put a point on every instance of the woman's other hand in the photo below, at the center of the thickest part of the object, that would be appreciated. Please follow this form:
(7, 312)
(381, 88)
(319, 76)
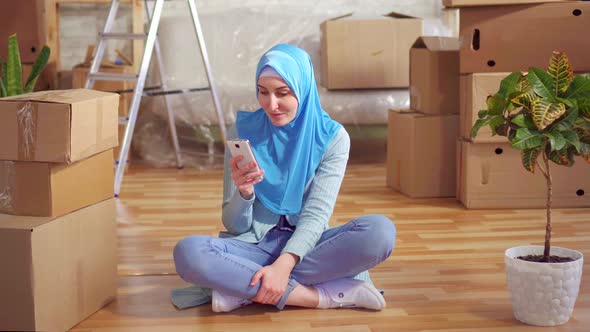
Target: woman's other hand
(274, 279)
(245, 177)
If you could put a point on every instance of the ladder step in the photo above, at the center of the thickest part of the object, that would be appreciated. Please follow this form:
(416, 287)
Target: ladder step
(125, 36)
(175, 91)
(112, 77)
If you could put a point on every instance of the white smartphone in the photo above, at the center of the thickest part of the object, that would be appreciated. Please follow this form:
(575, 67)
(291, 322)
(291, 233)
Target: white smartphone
(241, 147)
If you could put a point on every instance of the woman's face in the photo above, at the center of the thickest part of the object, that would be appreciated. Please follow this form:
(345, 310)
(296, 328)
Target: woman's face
(278, 101)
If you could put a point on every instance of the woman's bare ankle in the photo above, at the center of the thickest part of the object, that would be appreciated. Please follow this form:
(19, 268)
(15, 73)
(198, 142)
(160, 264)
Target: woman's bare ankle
(303, 296)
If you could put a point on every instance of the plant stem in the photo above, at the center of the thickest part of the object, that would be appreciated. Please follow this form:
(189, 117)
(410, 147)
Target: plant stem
(547, 173)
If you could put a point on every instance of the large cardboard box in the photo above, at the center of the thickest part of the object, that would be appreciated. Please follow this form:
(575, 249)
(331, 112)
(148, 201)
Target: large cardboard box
(434, 75)
(80, 73)
(473, 92)
(421, 154)
(367, 52)
(491, 176)
(60, 126)
(51, 189)
(26, 19)
(57, 271)
(513, 38)
(469, 3)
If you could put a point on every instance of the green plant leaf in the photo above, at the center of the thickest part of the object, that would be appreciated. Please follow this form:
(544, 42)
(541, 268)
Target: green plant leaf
(509, 85)
(567, 121)
(582, 124)
(584, 107)
(542, 83)
(38, 67)
(561, 71)
(477, 125)
(529, 158)
(495, 122)
(546, 112)
(561, 157)
(14, 77)
(523, 121)
(580, 88)
(556, 140)
(572, 138)
(482, 114)
(3, 92)
(525, 99)
(495, 105)
(527, 139)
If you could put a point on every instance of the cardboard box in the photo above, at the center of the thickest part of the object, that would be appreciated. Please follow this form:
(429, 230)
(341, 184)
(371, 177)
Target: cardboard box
(470, 3)
(473, 92)
(434, 75)
(367, 52)
(26, 19)
(50, 189)
(499, 38)
(421, 154)
(57, 271)
(80, 73)
(59, 126)
(491, 176)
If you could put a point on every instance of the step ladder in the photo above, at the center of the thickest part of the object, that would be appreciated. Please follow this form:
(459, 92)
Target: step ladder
(153, 15)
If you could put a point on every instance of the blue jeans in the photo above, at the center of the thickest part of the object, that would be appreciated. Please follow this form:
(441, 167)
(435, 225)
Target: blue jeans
(228, 265)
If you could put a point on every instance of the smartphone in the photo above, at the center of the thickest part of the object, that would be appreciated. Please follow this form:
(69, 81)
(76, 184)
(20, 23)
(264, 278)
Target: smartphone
(241, 147)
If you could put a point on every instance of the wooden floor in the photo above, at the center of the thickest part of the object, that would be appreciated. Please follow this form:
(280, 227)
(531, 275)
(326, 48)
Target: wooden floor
(445, 274)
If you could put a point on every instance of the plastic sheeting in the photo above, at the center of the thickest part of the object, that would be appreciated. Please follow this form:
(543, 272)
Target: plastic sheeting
(236, 36)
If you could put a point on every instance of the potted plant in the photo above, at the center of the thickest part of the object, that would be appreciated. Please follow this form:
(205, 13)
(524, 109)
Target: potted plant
(546, 115)
(11, 82)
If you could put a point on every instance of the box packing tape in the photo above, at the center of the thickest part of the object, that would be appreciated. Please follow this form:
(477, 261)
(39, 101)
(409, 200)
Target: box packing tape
(7, 187)
(27, 131)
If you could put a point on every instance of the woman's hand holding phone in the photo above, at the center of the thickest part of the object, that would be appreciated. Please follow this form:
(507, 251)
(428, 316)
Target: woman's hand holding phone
(245, 177)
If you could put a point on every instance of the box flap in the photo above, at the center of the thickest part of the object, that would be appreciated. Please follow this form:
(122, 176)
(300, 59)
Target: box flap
(434, 43)
(59, 96)
(400, 15)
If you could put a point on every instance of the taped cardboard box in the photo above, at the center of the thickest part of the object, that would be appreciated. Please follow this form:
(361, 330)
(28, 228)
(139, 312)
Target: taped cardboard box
(50, 189)
(369, 52)
(471, 3)
(514, 38)
(421, 154)
(80, 73)
(434, 75)
(60, 126)
(57, 271)
(491, 176)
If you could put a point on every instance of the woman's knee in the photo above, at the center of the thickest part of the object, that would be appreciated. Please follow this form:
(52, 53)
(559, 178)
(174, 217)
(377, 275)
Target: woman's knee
(189, 257)
(381, 234)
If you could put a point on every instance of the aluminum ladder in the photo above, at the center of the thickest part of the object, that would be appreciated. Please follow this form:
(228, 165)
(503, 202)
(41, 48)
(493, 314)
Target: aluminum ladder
(153, 15)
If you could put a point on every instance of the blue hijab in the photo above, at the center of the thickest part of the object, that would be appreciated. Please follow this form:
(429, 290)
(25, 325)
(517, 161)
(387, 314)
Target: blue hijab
(289, 155)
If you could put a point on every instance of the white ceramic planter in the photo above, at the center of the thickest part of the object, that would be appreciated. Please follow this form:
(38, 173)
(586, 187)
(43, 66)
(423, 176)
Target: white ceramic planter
(543, 294)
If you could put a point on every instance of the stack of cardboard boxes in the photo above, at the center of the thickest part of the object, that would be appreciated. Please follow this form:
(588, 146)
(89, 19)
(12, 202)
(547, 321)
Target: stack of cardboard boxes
(421, 142)
(57, 214)
(499, 37)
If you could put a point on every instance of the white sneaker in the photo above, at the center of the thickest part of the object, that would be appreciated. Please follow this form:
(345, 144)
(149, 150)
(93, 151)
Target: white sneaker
(349, 293)
(226, 303)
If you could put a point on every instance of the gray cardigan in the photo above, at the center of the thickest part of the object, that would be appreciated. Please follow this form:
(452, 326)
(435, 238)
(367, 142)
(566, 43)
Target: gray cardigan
(249, 220)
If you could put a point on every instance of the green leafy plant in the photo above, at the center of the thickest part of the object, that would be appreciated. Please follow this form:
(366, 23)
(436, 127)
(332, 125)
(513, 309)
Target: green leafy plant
(11, 82)
(546, 115)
